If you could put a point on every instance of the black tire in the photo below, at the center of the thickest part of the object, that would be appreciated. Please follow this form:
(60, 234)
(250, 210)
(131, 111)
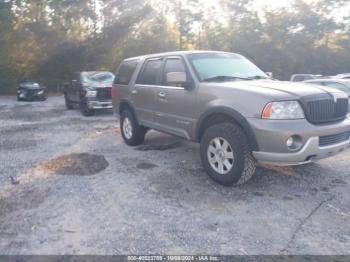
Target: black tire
(243, 162)
(137, 132)
(68, 103)
(85, 110)
(18, 98)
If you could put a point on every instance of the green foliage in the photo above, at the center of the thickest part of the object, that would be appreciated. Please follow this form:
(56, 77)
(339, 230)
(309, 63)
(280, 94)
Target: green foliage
(48, 40)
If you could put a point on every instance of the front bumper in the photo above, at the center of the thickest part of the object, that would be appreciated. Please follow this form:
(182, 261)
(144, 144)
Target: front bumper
(272, 137)
(311, 151)
(99, 104)
(29, 94)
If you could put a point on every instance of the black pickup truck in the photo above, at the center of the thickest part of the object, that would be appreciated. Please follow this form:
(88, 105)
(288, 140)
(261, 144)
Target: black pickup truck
(90, 90)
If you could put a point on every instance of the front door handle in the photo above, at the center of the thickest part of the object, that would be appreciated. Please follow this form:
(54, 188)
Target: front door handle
(134, 92)
(161, 95)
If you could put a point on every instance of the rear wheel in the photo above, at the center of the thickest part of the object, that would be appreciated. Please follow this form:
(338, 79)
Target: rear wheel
(68, 103)
(226, 155)
(133, 134)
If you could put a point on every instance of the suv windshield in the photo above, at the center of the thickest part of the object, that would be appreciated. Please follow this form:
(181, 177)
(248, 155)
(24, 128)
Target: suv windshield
(224, 67)
(97, 77)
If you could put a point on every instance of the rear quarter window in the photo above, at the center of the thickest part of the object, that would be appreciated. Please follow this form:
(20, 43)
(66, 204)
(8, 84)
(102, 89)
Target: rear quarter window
(125, 72)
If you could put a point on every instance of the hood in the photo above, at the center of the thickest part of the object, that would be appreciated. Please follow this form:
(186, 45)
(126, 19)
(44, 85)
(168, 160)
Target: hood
(31, 86)
(278, 89)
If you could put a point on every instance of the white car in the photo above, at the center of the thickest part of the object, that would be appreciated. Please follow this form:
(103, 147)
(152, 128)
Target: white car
(302, 77)
(343, 76)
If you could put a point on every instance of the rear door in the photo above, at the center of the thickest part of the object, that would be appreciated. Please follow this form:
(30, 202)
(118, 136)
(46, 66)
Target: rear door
(175, 104)
(143, 93)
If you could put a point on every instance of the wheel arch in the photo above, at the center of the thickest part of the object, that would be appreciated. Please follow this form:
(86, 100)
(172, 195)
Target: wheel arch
(125, 104)
(224, 114)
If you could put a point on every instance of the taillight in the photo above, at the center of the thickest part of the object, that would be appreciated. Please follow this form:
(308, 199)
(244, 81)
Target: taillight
(113, 93)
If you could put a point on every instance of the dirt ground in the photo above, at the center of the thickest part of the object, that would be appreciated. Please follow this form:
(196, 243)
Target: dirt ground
(69, 185)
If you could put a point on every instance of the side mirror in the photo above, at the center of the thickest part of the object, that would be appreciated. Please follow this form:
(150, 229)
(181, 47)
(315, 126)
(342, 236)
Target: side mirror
(177, 78)
(269, 74)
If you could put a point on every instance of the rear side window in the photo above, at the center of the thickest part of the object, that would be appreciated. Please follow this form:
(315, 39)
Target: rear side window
(150, 72)
(125, 72)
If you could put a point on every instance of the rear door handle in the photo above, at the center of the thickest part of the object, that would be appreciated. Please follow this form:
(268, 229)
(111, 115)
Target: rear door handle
(134, 92)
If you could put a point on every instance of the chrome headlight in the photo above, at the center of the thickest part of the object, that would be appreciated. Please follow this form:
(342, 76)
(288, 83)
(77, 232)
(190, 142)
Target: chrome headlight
(283, 110)
(91, 93)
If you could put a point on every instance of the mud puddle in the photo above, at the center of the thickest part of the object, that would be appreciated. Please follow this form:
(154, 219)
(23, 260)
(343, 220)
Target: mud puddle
(76, 164)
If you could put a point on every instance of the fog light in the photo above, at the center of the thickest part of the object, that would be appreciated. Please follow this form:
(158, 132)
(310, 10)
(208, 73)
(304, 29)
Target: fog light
(290, 142)
(294, 143)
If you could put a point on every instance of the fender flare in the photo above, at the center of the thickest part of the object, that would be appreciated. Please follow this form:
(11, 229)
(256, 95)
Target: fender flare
(130, 106)
(238, 117)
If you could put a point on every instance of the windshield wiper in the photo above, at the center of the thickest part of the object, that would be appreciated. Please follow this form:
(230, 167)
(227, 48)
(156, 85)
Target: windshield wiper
(224, 78)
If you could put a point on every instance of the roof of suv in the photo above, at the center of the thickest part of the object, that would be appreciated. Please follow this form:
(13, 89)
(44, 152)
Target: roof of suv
(175, 53)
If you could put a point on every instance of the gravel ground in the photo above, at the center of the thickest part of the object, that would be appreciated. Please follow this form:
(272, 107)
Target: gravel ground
(69, 185)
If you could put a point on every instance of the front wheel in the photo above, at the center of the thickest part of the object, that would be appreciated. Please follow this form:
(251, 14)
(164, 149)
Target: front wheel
(85, 110)
(133, 134)
(226, 155)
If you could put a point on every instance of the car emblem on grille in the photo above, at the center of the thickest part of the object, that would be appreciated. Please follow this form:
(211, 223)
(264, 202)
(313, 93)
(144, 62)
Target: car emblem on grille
(335, 99)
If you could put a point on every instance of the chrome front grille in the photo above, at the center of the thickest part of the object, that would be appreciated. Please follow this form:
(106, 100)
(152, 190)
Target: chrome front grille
(324, 109)
(104, 93)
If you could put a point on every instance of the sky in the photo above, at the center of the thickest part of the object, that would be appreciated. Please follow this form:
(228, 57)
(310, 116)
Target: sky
(273, 3)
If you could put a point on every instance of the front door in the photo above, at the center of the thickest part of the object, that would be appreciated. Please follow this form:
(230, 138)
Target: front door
(175, 104)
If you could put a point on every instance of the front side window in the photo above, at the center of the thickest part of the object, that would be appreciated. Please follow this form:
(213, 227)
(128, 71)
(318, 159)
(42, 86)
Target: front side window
(224, 66)
(125, 72)
(173, 65)
(150, 72)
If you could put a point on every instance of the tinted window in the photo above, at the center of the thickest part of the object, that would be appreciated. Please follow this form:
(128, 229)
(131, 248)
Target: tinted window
(173, 65)
(125, 72)
(150, 73)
